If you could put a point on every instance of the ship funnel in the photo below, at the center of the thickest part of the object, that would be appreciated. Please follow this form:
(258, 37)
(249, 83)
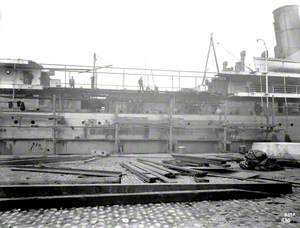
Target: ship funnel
(287, 32)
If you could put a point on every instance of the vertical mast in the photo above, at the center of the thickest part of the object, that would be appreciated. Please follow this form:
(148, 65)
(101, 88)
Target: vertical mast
(94, 76)
(211, 45)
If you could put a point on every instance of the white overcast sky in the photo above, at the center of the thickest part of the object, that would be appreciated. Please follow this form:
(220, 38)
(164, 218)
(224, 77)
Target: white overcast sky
(172, 34)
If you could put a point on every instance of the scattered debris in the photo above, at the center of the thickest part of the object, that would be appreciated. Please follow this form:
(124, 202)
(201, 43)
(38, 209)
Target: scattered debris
(258, 160)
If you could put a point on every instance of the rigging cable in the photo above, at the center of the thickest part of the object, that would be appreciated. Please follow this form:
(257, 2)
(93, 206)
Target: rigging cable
(235, 57)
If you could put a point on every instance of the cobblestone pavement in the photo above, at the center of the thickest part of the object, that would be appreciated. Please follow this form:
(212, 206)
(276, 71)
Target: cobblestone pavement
(270, 212)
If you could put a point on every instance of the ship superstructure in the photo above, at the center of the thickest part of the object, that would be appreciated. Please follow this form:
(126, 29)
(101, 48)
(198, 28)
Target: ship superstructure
(235, 107)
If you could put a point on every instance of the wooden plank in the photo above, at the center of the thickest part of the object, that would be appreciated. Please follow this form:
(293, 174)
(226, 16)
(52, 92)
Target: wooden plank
(232, 157)
(154, 169)
(99, 171)
(38, 160)
(239, 175)
(69, 171)
(278, 178)
(174, 172)
(184, 164)
(195, 166)
(199, 159)
(185, 170)
(26, 157)
(86, 180)
(127, 198)
(182, 169)
(215, 169)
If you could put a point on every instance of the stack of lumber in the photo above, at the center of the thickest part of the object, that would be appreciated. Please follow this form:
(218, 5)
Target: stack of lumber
(149, 173)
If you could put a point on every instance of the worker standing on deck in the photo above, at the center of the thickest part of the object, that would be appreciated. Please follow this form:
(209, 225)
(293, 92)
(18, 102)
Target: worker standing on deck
(141, 84)
(72, 82)
(219, 112)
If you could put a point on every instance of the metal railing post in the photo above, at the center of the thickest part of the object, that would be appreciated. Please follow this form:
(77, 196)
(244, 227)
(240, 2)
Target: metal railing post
(178, 80)
(123, 79)
(65, 76)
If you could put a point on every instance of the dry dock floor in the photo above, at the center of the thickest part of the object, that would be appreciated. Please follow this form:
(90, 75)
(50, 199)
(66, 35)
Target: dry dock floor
(268, 212)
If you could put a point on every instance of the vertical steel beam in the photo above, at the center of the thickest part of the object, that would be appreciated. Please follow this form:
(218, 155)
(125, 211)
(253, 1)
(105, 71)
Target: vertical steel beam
(54, 123)
(178, 80)
(172, 104)
(123, 79)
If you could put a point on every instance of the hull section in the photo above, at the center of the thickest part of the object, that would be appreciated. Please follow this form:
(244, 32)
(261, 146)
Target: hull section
(87, 133)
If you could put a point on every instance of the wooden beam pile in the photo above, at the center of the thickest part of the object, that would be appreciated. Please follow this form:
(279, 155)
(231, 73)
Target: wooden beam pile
(148, 173)
(179, 169)
(216, 165)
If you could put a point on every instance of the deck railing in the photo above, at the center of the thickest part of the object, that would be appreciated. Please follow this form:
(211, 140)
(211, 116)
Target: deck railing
(292, 89)
(127, 78)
